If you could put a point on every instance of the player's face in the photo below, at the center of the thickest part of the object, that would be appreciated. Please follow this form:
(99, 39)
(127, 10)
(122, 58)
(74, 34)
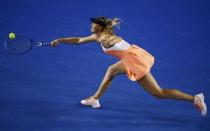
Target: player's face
(95, 28)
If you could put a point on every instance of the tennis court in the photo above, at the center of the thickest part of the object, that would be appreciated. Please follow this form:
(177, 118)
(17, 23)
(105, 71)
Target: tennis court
(41, 90)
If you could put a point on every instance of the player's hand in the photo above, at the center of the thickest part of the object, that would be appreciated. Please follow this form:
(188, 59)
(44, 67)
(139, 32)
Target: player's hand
(55, 43)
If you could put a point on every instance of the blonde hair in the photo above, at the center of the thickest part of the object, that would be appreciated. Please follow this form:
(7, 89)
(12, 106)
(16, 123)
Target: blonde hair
(111, 23)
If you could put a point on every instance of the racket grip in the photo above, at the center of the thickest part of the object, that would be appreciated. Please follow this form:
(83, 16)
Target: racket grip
(46, 44)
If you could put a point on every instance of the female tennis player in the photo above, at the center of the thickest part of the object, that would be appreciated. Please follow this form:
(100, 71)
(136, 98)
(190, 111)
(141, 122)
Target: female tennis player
(133, 61)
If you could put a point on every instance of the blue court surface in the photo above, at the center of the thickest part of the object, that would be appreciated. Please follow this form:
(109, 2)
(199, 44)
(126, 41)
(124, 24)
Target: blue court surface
(41, 90)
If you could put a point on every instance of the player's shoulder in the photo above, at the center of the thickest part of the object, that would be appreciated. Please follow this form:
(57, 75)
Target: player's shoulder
(93, 36)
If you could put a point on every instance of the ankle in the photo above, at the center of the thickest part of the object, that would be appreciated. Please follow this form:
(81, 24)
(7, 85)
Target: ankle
(193, 99)
(95, 97)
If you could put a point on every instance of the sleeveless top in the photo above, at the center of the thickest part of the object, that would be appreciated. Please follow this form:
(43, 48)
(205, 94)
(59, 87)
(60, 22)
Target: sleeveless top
(122, 45)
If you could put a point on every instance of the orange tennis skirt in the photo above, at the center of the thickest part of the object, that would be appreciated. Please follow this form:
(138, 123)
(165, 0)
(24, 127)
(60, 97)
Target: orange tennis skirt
(136, 60)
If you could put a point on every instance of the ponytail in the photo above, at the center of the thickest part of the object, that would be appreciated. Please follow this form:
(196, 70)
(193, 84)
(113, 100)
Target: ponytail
(116, 22)
(111, 23)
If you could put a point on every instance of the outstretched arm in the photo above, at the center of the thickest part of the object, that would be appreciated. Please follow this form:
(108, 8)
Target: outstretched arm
(74, 40)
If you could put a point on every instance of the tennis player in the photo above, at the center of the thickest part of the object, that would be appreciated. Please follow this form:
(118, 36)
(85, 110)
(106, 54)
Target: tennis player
(133, 61)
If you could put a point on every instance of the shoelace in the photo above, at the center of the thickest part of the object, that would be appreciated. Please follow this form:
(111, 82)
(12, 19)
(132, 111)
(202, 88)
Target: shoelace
(198, 103)
(90, 100)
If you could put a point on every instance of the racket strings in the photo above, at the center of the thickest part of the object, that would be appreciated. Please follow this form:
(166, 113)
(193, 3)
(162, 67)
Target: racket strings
(18, 46)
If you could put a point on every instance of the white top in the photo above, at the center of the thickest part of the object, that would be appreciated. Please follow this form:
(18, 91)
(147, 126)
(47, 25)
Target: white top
(122, 45)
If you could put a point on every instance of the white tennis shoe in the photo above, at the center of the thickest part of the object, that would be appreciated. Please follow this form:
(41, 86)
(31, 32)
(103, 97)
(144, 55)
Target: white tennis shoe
(91, 101)
(200, 104)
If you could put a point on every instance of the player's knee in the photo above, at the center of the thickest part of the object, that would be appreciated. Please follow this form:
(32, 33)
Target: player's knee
(159, 94)
(110, 73)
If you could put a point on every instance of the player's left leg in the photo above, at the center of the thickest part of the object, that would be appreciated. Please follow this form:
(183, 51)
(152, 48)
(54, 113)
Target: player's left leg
(149, 83)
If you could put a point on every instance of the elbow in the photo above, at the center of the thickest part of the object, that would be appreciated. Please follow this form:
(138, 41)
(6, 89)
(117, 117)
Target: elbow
(79, 41)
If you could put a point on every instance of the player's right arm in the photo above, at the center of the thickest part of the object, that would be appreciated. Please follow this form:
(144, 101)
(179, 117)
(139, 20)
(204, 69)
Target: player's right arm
(74, 40)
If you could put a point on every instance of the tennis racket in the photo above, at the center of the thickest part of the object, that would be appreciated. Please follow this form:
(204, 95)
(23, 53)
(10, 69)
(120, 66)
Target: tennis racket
(22, 44)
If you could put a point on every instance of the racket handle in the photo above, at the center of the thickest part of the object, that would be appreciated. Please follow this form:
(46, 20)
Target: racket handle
(46, 44)
(42, 44)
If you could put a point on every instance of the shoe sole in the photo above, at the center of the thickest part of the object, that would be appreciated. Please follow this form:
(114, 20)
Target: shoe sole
(95, 107)
(204, 104)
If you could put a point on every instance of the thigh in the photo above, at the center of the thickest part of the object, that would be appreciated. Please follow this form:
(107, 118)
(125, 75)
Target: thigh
(149, 83)
(117, 68)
